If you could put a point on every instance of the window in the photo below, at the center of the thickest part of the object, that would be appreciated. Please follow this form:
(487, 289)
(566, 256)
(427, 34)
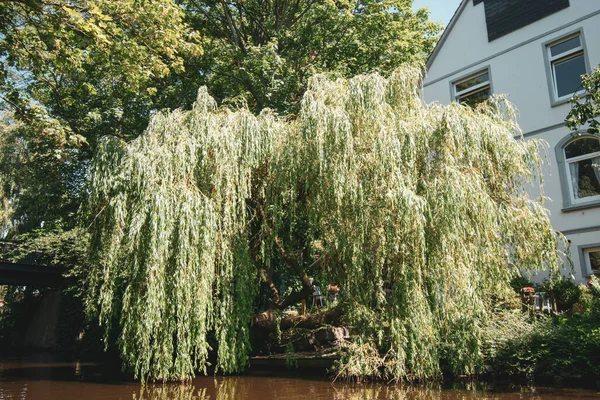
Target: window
(592, 260)
(567, 63)
(473, 89)
(582, 160)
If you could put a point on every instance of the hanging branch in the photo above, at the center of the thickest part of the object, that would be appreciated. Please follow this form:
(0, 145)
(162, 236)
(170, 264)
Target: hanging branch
(418, 212)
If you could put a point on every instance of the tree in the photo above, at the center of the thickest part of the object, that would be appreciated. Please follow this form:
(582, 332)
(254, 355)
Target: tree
(367, 185)
(101, 67)
(41, 178)
(586, 112)
(70, 73)
(91, 63)
(264, 51)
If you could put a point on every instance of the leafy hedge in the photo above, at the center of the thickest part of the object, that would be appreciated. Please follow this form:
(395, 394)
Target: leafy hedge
(565, 345)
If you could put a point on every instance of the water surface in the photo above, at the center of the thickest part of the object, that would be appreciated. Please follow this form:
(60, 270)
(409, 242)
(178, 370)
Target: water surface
(40, 377)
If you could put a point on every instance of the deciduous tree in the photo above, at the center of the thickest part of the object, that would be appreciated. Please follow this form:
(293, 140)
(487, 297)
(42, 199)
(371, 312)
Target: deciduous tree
(586, 112)
(70, 73)
(367, 185)
(264, 51)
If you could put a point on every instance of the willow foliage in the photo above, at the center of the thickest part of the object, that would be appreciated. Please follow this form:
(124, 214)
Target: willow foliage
(378, 187)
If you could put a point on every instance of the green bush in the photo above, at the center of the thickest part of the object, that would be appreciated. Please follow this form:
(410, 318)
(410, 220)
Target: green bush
(566, 294)
(516, 345)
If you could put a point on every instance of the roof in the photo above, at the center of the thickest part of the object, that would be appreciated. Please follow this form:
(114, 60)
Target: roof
(505, 16)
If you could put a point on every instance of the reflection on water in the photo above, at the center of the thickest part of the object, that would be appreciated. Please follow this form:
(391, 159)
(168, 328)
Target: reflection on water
(168, 392)
(41, 378)
(284, 388)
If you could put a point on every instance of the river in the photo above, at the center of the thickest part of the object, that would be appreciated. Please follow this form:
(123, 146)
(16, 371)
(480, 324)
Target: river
(40, 377)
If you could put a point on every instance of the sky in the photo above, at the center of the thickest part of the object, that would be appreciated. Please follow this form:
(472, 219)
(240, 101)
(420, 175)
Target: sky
(441, 10)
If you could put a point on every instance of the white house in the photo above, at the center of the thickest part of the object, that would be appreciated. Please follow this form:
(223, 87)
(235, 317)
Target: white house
(534, 51)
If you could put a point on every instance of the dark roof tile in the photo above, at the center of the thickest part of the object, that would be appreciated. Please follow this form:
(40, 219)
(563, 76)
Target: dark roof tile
(505, 16)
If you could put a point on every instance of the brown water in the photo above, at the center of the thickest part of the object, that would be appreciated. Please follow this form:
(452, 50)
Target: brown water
(41, 378)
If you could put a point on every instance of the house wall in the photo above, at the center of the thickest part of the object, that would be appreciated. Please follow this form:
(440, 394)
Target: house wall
(519, 69)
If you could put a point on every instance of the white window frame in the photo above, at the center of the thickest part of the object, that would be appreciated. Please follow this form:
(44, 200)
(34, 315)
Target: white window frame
(570, 203)
(551, 62)
(587, 262)
(570, 178)
(458, 94)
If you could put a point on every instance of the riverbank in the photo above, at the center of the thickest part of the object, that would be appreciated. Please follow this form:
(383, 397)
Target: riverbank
(513, 347)
(309, 366)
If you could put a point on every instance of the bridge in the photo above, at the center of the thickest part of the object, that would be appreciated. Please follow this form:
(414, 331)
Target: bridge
(31, 275)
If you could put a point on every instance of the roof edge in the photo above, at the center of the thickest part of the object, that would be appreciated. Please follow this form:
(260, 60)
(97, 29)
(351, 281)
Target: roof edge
(447, 30)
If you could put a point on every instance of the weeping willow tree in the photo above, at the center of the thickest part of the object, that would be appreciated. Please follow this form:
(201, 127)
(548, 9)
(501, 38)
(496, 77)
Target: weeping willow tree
(367, 185)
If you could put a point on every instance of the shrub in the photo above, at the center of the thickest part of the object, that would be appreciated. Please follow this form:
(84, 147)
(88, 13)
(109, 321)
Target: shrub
(515, 345)
(566, 294)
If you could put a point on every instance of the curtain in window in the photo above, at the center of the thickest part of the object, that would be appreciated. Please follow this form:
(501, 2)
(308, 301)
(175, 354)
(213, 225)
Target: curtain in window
(596, 167)
(574, 170)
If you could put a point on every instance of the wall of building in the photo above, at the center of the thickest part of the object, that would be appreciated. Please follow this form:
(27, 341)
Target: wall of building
(518, 69)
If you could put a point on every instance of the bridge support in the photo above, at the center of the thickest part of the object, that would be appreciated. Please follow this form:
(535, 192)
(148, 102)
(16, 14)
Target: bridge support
(41, 332)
